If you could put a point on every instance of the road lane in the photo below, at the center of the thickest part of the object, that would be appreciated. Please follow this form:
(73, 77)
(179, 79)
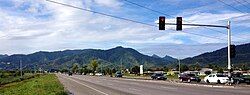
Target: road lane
(149, 87)
(80, 87)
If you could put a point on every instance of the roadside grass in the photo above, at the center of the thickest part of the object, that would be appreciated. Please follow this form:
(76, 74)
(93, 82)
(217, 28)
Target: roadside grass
(11, 79)
(172, 77)
(42, 85)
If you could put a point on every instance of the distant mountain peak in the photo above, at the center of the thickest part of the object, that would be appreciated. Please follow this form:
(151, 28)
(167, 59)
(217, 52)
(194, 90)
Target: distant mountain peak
(155, 56)
(169, 58)
(119, 47)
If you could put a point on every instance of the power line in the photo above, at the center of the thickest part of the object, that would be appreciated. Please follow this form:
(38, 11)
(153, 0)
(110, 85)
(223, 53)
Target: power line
(147, 8)
(166, 14)
(136, 4)
(231, 6)
(246, 1)
(242, 4)
(101, 13)
(125, 18)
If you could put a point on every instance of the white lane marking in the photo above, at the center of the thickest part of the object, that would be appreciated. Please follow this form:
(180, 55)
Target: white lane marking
(87, 86)
(133, 89)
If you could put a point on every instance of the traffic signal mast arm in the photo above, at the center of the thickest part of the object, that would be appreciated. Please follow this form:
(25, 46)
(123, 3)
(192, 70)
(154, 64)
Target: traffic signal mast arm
(199, 25)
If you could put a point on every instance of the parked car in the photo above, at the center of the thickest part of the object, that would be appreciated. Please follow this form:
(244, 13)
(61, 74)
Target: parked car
(158, 76)
(99, 74)
(216, 78)
(70, 73)
(118, 74)
(240, 78)
(189, 77)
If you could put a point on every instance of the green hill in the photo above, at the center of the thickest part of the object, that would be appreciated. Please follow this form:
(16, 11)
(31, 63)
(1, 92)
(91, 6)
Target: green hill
(127, 57)
(219, 57)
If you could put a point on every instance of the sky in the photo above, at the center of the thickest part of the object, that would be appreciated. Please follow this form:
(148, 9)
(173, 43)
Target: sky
(28, 26)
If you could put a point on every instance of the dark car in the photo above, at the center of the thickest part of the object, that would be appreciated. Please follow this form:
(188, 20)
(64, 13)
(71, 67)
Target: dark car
(70, 73)
(189, 78)
(158, 76)
(118, 74)
(239, 78)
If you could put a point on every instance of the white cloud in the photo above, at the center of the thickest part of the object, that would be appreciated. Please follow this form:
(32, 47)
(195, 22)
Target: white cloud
(109, 3)
(69, 28)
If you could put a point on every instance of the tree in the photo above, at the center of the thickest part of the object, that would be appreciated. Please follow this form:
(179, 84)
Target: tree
(195, 67)
(136, 69)
(244, 67)
(220, 70)
(75, 68)
(85, 69)
(107, 71)
(94, 64)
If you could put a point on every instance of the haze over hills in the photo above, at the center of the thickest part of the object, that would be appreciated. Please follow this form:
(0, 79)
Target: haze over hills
(219, 57)
(64, 59)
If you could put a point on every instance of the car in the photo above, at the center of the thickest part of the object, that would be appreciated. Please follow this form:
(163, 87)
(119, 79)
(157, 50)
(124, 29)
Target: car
(216, 78)
(189, 77)
(158, 76)
(118, 74)
(70, 73)
(240, 78)
(99, 74)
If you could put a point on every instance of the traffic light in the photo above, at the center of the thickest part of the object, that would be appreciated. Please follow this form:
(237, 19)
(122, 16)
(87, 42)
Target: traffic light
(179, 23)
(161, 23)
(232, 51)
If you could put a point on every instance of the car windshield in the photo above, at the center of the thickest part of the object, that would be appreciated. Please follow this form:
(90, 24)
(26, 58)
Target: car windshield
(221, 76)
(158, 74)
(191, 75)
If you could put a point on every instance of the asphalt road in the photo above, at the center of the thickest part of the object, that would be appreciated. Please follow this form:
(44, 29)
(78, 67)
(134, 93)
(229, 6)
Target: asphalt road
(94, 85)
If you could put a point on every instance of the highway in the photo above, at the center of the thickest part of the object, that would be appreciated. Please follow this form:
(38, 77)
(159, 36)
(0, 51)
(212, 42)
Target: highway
(94, 85)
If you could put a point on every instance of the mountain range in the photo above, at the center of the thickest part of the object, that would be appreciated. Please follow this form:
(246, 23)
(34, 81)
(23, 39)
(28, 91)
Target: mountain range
(219, 57)
(116, 57)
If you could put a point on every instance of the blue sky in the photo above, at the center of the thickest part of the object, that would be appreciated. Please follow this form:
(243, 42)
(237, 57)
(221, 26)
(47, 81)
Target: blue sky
(27, 26)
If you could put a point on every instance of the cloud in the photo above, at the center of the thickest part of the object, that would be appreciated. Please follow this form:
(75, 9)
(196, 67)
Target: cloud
(35, 25)
(109, 3)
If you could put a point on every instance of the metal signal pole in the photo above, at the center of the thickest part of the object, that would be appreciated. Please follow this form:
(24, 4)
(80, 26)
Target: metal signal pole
(228, 50)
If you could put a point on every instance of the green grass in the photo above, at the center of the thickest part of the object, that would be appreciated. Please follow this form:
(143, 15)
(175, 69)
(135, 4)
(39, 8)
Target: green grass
(11, 79)
(173, 76)
(41, 85)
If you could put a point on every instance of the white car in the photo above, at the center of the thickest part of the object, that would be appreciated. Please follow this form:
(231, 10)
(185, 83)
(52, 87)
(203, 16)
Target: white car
(98, 74)
(216, 78)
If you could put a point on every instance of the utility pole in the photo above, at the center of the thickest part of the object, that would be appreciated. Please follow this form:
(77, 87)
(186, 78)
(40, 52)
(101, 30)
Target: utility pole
(101, 69)
(179, 66)
(228, 50)
(20, 63)
(121, 65)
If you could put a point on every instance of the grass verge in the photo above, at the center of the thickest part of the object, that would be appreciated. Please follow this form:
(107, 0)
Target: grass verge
(12, 79)
(41, 85)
